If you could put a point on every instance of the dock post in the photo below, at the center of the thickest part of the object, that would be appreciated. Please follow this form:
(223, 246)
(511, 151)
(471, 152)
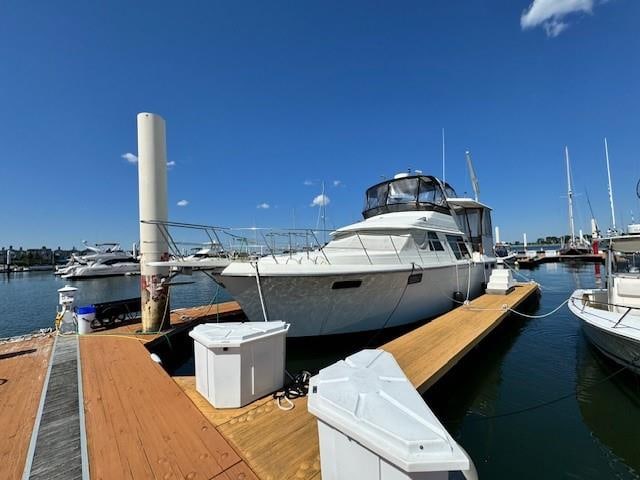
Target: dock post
(152, 188)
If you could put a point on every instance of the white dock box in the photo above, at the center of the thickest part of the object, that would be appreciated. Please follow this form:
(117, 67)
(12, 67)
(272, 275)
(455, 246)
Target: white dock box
(236, 363)
(373, 424)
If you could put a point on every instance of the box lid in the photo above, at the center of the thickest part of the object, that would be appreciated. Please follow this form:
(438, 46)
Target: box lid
(368, 398)
(233, 334)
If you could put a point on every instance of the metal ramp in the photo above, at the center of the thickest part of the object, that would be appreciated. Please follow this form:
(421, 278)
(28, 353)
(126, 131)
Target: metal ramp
(58, 442)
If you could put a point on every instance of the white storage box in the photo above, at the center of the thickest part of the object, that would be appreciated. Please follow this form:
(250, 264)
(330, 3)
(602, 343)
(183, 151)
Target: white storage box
(373, 424)
(237, 363)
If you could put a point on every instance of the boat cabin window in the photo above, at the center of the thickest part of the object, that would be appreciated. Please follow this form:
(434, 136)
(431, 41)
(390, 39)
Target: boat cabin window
(449, 191)
(626, 263)
(434, 242)
(458, 246)
(405, 194)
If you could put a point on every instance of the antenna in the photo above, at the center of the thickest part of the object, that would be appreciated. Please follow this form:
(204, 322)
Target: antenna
(570, 195)
(472, 175)
(443, 158)
(613, 215)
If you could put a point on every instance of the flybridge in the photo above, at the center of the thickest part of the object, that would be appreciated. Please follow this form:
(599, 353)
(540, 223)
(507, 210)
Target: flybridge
(408, 193)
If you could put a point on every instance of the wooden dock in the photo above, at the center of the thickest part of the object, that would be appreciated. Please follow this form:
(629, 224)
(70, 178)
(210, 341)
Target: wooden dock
(142, 423)
(532, 262)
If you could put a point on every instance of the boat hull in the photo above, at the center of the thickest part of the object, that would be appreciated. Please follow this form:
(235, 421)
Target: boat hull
(326, 304)
(611, 338)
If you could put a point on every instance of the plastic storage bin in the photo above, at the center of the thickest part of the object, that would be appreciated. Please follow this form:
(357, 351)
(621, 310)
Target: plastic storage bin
(373, 424)
(237, 363)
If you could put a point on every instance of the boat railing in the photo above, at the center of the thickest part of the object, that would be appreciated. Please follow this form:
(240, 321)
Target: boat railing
(282, 245)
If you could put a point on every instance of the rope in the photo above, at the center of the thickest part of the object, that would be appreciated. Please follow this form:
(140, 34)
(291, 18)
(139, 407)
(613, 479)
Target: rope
(264, 309)
(298, 388)
(375, 335)
(469, 282)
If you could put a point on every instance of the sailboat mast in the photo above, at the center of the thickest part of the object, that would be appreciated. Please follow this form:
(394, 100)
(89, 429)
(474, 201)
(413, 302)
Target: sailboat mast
(570, 196)
(613, 215)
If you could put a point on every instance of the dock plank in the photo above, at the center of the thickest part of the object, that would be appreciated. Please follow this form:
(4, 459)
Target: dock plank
(134, 409)
(23, 368)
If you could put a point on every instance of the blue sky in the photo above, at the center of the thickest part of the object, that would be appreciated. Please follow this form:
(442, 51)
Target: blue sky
(263, 97)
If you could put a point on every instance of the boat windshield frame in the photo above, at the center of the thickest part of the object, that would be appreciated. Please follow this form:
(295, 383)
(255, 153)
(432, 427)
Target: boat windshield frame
(407, 194)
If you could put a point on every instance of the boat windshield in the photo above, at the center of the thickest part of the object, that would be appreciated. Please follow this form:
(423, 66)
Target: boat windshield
(406, 194)
(626, 263)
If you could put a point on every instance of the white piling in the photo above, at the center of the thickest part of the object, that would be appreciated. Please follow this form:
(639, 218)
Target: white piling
(524, 237)
(497, 234)
(152, 185)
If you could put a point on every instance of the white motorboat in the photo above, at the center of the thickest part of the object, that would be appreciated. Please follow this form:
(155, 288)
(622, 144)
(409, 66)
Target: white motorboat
(105, 265)
(611, 316)
(97, 252)
(419, 250)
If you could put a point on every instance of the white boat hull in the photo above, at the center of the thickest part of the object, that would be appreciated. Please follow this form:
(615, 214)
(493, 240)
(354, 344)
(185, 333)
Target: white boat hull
(313, 306)
(618, 340)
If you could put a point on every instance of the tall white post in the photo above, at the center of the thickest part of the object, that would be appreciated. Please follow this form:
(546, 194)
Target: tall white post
(152, 187)
(524, 237)
(497, 234)
(613, 214)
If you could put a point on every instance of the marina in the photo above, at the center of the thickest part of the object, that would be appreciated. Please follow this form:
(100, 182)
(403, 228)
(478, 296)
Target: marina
(337, 241)
(129, 363)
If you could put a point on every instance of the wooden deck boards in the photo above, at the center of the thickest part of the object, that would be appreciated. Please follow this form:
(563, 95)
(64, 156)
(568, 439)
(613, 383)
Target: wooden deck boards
(23, 367)
(141, 425)
(283, 445)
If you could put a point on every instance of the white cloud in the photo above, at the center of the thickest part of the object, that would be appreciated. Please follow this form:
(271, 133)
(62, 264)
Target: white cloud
(550, 14)
(337, 183)
(263, 206)
(308, 183)
(130, 157)
(320, 201)
(183, 203)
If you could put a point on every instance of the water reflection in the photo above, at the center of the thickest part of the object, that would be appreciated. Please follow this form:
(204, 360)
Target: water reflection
(610, 407)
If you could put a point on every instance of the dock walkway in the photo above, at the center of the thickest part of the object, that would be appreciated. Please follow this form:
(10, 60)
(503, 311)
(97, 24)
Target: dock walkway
(58, 449)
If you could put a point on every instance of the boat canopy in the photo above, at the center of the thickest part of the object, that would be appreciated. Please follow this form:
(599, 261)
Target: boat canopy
(409, 193)
(624, 243)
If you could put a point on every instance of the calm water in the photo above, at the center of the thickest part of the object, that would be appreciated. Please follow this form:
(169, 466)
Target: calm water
(28, 300)
(488, 402)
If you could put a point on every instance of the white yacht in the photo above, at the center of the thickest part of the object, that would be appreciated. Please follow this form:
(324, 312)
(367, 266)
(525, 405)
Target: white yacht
(611, 316)
(97, 252)
(106, 259)
(419, 251)
(106, 267)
